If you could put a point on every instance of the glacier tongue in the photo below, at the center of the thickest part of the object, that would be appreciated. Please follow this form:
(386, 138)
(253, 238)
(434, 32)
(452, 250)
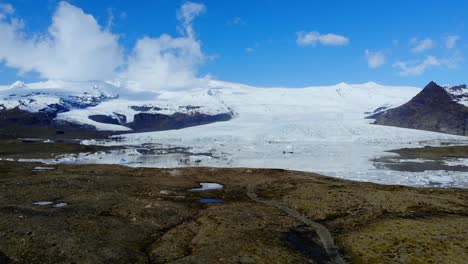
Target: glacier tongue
(317, 129)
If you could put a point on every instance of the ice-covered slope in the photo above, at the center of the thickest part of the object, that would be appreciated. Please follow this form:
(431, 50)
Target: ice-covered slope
(458, 93)
(35, 97)
(307, 114)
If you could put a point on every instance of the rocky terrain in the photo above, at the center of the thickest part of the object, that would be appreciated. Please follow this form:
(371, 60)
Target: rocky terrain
(115, 214)
(17, 123)
(433, 109)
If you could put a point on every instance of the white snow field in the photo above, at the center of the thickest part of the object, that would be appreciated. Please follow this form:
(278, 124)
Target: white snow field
(316, 129)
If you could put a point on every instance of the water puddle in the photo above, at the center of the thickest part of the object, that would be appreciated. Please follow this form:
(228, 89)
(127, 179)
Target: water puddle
(210, 200)
(308, 244)
(40, 169)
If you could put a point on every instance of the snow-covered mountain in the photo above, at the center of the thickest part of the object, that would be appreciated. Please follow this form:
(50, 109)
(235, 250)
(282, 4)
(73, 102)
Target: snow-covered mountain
(458, 93)
(107, 107)
(50, 96)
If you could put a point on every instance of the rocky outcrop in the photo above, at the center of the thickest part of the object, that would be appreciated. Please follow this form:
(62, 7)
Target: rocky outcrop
(145, 122)
(114, 120)
(156, 122)
(17, 123)
(433, 109)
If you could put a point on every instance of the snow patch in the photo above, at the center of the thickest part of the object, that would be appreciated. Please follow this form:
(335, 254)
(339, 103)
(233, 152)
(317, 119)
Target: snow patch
(457, 162)
(59, 205)
(208, 186)
(42, 203)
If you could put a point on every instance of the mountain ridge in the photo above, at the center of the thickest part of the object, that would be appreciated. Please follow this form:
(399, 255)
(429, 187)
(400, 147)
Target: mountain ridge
(432, 109)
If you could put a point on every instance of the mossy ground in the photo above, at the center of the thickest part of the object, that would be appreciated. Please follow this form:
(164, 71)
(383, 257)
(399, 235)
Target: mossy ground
(117, 214)
(412, 241)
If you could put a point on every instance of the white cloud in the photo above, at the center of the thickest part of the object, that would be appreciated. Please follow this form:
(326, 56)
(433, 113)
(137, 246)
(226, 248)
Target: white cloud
(312, 38)
(75, 47)
(421, 45)
(451, 41)
(249, 50)
(415, 68)
(167, 62)
(454, 61)
(375, 59)
(163, 63)
(187, 14)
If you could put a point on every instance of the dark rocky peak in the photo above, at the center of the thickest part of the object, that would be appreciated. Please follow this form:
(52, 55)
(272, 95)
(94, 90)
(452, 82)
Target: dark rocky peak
(432, 94)
(432, 109)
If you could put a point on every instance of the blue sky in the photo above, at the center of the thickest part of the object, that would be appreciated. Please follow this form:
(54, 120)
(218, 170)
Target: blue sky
(279, 43)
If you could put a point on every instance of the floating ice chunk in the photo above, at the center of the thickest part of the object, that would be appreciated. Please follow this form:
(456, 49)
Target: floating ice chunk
(207, 186)
(456, 162)
(43, 203)
(413, 160)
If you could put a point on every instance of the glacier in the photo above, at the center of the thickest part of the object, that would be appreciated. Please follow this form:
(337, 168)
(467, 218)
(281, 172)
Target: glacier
(320, 129)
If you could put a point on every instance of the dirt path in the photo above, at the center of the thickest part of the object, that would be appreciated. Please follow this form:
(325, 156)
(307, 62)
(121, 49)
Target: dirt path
(322, 231)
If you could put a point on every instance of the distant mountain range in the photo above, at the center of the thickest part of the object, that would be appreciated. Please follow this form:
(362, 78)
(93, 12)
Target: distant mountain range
(97, 109)
(66, 109)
